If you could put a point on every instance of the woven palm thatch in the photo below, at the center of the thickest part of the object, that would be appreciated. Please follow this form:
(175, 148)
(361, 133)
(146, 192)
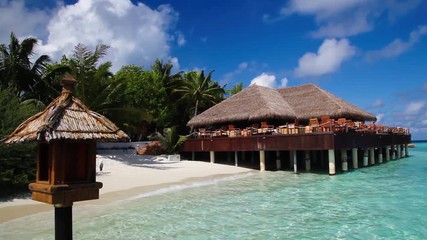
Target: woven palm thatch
(310, 101)
(66, 118)
(252, 104)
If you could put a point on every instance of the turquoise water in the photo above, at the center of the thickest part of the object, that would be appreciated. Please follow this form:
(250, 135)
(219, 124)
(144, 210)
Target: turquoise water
(387, 201)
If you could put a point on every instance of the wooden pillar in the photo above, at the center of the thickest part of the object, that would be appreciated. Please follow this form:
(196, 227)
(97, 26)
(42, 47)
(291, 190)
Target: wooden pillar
(278, 160)
(63, 222)
(393, 152)
(387, 153)
(236, 158)
(344, 160)
(406, 150)
(354, 158)
(228, 157)
(322, 159)
(380, 155)
(307, 160)
(372, 156)
(399, 152)
(262, 160)
(212, 156)
(193, 156)
(294, 160)
(365, 157)
(331, 157)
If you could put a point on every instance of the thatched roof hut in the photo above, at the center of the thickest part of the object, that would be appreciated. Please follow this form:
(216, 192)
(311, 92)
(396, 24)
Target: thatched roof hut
(255, 103)
(66, 118)
(310, 101)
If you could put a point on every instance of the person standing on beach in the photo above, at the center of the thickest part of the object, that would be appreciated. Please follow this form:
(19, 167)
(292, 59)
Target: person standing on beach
(101, 166)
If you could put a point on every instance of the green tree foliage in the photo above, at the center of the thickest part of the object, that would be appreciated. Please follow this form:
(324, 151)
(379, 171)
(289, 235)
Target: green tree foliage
(236, 88)
(199, 90)
(17, 161)
(17, 73)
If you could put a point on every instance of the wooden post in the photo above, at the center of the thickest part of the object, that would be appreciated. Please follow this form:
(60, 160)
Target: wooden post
(278, 161)
(354, 158)
(365, 157)
(393, 152)
(294, 160)
(236, 158)
(307, 160)
(331, 157)
(344, 160)
(63, 222)
(406, 150)
(380, 155)
(372, 156)
(261, 160)
(387, 153)
(212, 156)
(399, 152)
(193, 156)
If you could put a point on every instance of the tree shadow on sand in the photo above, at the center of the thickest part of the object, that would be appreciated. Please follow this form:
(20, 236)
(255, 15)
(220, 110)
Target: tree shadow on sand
(146, 161)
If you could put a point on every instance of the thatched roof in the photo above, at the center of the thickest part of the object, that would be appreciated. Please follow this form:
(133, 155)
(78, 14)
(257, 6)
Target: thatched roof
(66, 117)
(254, 103)
(261, 103)
(309, 101)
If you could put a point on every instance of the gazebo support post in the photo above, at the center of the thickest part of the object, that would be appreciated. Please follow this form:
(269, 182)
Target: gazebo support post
(262, 160)
(380, 155)
(365, 156)
(344, 164)
(278, 161)
(63, 222)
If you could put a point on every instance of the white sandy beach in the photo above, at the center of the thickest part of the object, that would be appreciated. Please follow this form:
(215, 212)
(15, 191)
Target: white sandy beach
(128, 175)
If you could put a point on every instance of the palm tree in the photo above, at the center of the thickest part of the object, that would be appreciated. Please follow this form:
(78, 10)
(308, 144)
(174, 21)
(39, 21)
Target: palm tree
(236, 88)
(200, 90)
(17, 73)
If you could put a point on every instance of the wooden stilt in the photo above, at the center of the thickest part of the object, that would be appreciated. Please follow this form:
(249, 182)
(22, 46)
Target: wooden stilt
(387, 153)
(331, 157)
(344, 160)
(278, 161)
(212, 156)
(63, 222)
(307, 160)
(236, 158)
(372, 156)
(406, 150)
(380, 155)
(393, 152)
(365, 157)
(294, 160)
(354, 158)
(399, 152)
(261, 160)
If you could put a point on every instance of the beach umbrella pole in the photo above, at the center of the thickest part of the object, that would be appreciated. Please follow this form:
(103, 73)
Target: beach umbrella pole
(63, 222)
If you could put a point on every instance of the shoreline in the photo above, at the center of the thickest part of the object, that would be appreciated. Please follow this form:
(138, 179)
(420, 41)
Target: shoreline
(133, 176)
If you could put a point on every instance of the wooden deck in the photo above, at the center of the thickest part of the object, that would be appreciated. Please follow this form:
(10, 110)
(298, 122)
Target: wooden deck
(282, 142)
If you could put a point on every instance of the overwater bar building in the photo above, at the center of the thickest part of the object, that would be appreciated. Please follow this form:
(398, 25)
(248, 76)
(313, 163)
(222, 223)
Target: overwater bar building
(297, 128)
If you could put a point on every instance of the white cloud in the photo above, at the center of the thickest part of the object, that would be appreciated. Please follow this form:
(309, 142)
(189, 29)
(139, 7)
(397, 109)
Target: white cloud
(328, 58)
(397, 47)
(269, 80)
(14, 17)
(345, 18)
(378, 103)
(180, 39)
(414, 108)
(379, 117)
(135, 33)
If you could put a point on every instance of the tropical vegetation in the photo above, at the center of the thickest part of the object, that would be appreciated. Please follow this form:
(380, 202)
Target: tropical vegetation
(140, 101)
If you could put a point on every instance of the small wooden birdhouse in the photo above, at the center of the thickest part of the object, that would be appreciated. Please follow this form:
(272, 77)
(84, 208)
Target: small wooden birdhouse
(67, 132)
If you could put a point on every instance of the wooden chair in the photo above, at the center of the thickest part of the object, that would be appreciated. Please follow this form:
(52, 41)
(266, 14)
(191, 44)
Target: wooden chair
(313, 125)
(326, 124)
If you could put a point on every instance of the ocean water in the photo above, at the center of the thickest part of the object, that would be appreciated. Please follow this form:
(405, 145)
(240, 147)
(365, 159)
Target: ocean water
(387, 201)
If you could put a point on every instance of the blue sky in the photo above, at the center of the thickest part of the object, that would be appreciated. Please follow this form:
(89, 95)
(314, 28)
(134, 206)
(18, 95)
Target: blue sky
(370, 53)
